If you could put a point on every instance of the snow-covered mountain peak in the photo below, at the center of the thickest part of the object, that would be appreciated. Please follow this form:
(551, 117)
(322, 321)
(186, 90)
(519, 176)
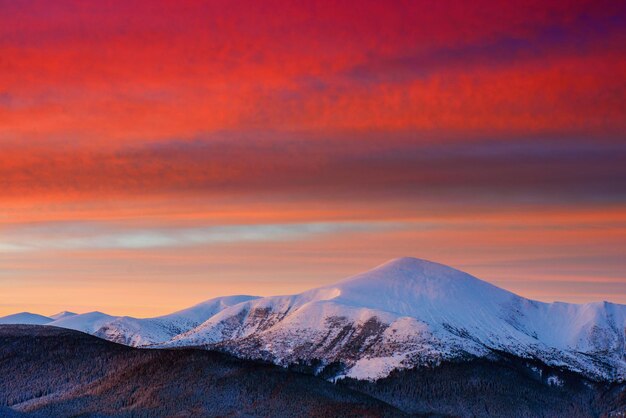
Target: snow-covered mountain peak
(88, 322)
(416, 274)
(410, 263)
(408, 286)
(25, 318)
(203, 310)
(62, 314)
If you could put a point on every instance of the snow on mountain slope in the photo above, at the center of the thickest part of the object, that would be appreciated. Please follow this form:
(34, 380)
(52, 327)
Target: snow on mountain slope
(25, 318)
(410, 312)
(88, 322)
(63, 314)
(148, 331)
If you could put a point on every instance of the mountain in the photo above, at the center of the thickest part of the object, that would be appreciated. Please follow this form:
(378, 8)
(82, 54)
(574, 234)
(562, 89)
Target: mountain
(403, 314)
(25, 318)
(62, 315)
(411, 312)
(57, 372)
(146, 331)
(408, 337)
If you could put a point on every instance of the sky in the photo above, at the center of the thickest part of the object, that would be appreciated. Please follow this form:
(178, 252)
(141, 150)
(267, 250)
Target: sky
(154, 154)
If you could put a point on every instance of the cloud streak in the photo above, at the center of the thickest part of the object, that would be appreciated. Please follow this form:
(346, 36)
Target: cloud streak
(94, 236)
(245, 164)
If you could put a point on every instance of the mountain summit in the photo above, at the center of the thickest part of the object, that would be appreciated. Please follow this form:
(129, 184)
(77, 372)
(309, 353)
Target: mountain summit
(25, 318)
(63, 314)
(407, 286)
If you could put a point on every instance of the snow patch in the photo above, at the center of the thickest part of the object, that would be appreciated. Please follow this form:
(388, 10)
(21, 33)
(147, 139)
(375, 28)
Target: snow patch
(376, 368)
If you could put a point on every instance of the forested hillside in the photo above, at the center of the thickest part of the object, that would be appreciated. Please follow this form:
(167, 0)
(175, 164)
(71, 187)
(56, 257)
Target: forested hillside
(57, 372)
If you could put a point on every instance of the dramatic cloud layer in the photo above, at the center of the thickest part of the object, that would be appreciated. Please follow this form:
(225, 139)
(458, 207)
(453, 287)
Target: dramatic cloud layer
(173, 151)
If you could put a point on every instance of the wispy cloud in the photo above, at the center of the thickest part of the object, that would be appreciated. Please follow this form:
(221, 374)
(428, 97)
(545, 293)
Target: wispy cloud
(94, 236)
